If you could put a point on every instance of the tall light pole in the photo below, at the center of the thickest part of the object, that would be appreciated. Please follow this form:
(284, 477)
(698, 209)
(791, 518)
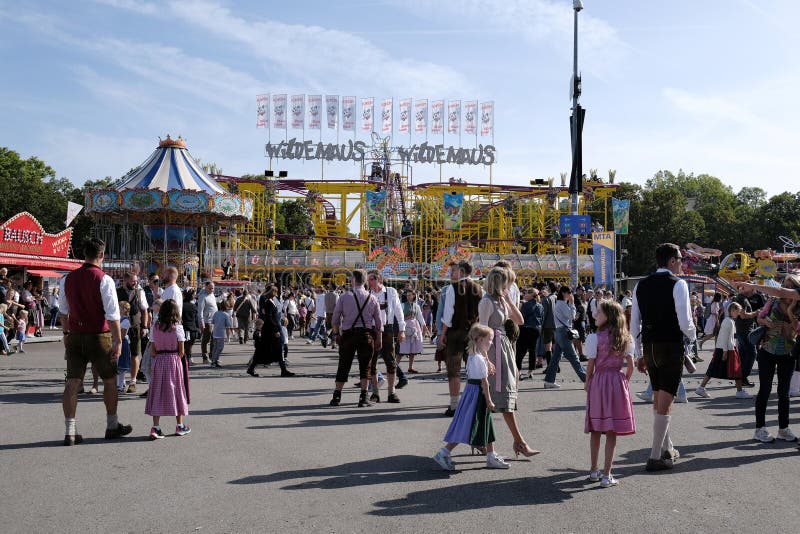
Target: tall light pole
(576, 128)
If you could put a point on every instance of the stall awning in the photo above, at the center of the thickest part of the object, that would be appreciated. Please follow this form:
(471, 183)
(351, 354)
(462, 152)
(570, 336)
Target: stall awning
(43, 262)
(45, 273)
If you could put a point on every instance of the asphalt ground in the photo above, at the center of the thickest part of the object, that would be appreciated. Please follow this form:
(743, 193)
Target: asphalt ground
(269, 454)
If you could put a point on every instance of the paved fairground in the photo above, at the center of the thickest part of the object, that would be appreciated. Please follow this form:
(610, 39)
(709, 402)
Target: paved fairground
(269, 454)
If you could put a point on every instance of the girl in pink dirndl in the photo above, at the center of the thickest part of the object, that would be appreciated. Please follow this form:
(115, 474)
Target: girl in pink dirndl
(168, 394)
(609, 409)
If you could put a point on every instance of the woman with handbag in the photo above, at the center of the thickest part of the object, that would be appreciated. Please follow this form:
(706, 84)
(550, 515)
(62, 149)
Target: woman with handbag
(726, 363)
(564, 314)
(775, 355)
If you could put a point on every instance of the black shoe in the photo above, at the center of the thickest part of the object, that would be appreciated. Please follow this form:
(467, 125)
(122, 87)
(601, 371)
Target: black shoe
(583, 358)
(403, 382)
(393, 398)
(324, 342)
(337, 398)
(449, 412)
(120, 431)
(241, 341)
(141, 378)
(363, 402)
(251, 372)
(747, 384)
(375, 398)
(658, 465)
(287, 373)
(72, 440)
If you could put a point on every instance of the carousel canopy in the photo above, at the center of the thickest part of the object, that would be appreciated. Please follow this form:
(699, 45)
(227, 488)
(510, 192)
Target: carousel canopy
(171, 167)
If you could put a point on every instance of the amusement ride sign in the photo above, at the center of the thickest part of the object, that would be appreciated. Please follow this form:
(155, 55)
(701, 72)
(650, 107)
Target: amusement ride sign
(22, 234)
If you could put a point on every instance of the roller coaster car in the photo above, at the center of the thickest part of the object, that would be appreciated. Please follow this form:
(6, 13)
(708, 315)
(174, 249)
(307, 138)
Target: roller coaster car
(740, 266)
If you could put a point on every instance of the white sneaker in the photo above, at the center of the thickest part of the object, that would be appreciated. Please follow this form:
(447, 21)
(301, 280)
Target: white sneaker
(493, 461)
(608, 481)
(644, 396)
(763, 435)
(742, 394)
(786, 434)
(442, 457)
(309, 342)
(682, 399)
(551, 385)
(595, 476)
(701, 391)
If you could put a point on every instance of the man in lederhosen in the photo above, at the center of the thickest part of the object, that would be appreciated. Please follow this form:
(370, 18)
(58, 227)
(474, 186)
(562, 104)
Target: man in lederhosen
(391, 311)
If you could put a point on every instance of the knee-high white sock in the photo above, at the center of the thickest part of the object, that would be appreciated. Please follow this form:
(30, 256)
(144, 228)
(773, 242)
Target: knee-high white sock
(660, 429)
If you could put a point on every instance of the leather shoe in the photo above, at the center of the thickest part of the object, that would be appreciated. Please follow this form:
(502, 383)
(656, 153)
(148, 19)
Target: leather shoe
(403, 382)
(658, 465)
(252, 372)
(393, 398)
(449, 412)
(287, 373)
(747, 384)
(73, 440)
(120, 431)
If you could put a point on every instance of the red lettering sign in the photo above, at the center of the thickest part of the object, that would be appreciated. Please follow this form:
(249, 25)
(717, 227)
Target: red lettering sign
(22, 234)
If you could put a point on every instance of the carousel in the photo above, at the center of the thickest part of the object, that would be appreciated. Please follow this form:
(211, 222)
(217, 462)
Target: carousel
(168, 211)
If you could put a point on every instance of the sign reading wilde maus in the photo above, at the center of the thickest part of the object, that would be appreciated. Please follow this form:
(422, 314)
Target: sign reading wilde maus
(355, 151)
(22, 234)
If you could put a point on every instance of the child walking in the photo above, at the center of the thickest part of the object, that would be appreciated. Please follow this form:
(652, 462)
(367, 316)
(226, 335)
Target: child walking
(168, 394)
(726, 363)
(222, 323)
(4, 348)
(609, 409)
(472, 422)
(124, 361)
(22, 330)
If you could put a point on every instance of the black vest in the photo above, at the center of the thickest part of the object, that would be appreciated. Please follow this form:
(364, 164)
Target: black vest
(657, 309)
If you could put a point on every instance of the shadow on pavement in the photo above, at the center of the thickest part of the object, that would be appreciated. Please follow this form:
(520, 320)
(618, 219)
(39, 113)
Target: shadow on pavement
(365, 416)
(86, 441)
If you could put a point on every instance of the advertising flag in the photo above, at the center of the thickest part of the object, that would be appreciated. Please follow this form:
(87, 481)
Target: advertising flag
(349, 113)
(470, 117)
(314, 112)
(603, 250)
(437, 118)
(279, 111)
(73, 210)
(332, 107)
(298, 111)
(262, 111)
(405, 116)
(453, 116)
(367, 114)
(453, 202)
(376, 208)
(487, 118)
(621, 210)
(421, 116)
(387, 109)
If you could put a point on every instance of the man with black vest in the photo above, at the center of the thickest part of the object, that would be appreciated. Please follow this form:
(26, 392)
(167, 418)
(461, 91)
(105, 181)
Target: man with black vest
(660, 318)
(91, 334)
(460, 313)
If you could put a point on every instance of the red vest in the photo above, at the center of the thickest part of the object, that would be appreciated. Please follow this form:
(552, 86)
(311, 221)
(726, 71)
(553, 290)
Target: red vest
(82, 289)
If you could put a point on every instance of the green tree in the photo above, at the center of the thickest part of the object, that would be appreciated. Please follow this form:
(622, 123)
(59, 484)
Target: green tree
(293, 218)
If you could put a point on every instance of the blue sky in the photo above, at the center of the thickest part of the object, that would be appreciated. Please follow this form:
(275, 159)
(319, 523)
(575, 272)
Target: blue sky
(709, 86)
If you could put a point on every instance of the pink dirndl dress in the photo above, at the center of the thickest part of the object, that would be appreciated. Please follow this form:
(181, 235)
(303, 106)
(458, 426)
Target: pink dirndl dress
(608, 400)
(168, 391)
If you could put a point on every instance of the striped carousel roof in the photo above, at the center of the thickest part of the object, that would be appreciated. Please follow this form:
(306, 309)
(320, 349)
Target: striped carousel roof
(171, 167)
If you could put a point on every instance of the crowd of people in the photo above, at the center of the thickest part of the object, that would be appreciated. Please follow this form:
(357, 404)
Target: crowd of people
(148, 333)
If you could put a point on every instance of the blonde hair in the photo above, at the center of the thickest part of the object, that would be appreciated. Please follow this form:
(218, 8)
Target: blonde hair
(496, 282)
(124, 307)
(616, 324)
(478, 331)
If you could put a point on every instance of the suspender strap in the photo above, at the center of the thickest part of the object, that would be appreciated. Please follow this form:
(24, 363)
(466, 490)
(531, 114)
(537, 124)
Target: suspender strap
(360, 308)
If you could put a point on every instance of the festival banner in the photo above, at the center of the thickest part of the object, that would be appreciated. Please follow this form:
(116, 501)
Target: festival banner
(405, 115)
(453, 202)
(332, 108)
(298, 111)
(314, 112)
(387, 112)
(73, 210)
(279, 111)
(621, 210)
(437, 116)
(470, 113)
(603, 250)
(453, 116)
(262, 111)
(349, 113)
(376, 208)
(367, 114)
(421, 116)
(487, 119)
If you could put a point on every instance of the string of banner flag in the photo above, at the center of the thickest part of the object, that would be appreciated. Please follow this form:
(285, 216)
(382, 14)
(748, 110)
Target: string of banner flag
(300, 112)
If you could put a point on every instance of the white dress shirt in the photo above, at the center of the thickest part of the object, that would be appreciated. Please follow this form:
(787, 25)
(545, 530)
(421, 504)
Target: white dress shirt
(173, 292)
(394, 310)
(449, 305)
(108, 292)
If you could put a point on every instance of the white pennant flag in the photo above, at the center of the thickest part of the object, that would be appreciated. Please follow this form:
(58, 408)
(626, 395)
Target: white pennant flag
(470, 117)
(453, 116)
(332, 107)
(387, 109)
(314, 112)
(487, 118)
(421, 116)
(367, 111)
(437, 118)
(349, 113)
(405, 115)
(298, 111)
(72, 211)
(262, 111)
(279, 111)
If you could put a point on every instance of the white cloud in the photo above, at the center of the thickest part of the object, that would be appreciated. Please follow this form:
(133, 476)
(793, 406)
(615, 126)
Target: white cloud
(145, 8)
